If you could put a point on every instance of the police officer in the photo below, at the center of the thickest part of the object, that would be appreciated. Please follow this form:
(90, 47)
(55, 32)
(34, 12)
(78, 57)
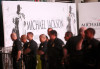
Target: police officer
(16, 52)
(31, 51)
(65, 60)
(24, 40)
(90, 49)
(42, 50)
(55, 51)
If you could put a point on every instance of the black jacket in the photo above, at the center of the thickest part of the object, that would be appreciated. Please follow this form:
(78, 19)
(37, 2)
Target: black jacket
(55, 50)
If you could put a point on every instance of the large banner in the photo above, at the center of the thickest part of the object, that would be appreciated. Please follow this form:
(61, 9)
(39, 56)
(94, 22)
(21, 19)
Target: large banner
(23, 16)
(89, 16)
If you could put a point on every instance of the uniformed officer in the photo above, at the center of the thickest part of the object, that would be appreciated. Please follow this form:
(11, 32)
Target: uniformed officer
(55, 51)
(16, 52)
(31, 51)
(76, 56)
(65, 60)
(24, 40)
(90, 49)
(68, 35)
(42, 50)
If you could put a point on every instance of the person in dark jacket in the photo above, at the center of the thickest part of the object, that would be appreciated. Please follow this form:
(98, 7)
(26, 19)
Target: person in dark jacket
(76, 57)
(31, 51)
(55, 51)
(43, 50)
(25, 45)
(16, 52)
(90, 49)
(65, 60)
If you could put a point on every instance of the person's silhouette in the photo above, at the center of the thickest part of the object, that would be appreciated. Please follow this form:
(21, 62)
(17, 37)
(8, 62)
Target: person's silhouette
(16, 21)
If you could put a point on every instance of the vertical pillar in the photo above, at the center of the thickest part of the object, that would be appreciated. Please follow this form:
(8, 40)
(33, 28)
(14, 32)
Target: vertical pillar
(77, 1)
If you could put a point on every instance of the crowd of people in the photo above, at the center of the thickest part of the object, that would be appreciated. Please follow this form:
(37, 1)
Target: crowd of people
(79, 52)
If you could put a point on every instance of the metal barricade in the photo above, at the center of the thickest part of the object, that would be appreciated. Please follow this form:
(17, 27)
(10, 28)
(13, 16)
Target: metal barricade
(6, 58)
(8, 62)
